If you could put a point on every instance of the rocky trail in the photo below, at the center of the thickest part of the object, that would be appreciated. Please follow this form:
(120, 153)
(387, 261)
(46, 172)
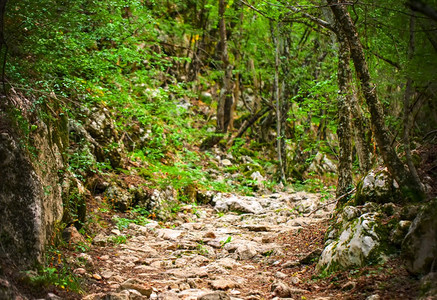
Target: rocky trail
(236, 248)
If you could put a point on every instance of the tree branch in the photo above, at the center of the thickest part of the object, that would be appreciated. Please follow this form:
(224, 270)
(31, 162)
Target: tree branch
(419, 6)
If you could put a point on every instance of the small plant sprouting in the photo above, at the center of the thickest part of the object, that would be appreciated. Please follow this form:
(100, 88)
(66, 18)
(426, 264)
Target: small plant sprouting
(227, 241)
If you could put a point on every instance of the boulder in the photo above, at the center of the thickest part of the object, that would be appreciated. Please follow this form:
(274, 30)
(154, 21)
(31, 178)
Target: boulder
(377, 186)
(30, 188)
(237, 204)
(354, 243)
(120, 198)
(321, 164)
(419, 248)
(428, 286)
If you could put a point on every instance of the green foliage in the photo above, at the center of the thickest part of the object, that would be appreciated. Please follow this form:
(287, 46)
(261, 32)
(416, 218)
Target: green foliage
(56, 272)
(227, 241)
(119, 239)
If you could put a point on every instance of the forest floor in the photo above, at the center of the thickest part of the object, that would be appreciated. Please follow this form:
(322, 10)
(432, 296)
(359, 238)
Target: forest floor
(238, 247)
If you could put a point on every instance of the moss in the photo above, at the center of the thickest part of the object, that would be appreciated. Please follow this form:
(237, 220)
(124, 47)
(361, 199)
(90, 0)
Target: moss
(248, 169)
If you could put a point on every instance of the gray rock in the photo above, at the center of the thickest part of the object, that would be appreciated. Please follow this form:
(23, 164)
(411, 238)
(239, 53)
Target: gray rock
(170, 295)
(117, 296)
(246, 251)
(419, 248)
(428, 286)
(170, 234)
(226, 162)
(224, 284)
(311, 257)
(238, 204)
(100, 239)
(378, 186)
(72, 236)
(219, 295)
(282, 290)
(30, 189)
(121, 198)
(322, 164)
(357, 243)
(400, 231)
(135, 284)
(51, 296)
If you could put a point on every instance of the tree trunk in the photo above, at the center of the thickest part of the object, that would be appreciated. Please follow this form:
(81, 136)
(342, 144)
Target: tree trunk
(345, 183)
(363, 148)
(225, 97)
(277, 99)
(407, 119)
(3, 45)
(411, 188)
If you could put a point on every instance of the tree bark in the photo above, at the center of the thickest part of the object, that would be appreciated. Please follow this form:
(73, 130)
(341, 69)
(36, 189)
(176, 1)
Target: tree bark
(411, 188)
(345, 183)
(364, 151)
(225, 97)
(277, 99)
(3, 45)
(407, 119)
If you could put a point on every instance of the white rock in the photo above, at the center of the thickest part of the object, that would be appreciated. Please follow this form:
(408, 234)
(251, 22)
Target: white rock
(354, 244)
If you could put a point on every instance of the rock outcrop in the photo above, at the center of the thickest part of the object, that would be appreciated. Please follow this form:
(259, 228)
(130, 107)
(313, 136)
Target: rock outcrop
(419, 247)
(30, 185)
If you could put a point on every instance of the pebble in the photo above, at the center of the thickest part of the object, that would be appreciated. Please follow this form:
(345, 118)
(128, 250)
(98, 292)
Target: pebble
(97, 277)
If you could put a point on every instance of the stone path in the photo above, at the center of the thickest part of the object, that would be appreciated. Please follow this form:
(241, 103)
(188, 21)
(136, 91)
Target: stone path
(212, 252)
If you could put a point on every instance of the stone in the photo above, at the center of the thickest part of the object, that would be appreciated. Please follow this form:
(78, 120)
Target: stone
(121, 198)
(356, 244)
(227, 263)
(170, 234)
(428, 286)
(256, 228)
(400, 231)
(169, 295)
(100, 239)
(311, 257)
(419, 248)
(246, 251)
(290, 264)
(280, 289)
(85, 257)
(280, 275)
(224, 284)
(321, 164)
(238, 204)
(210, 235)
(51, 296)
(257, 179)
(219, 295)
(30, 187)
(204, 197)
(226, 162)
(97, 276)
(117, 296)
(95, 296)
(377, 186)
(72, 236)
(107, 274)
(137, 285)
(79, 271)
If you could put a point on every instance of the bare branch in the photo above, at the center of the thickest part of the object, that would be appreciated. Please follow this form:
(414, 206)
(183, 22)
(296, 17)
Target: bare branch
(419, 6)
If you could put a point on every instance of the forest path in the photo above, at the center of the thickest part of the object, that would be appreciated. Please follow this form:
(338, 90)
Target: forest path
(237, 248)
